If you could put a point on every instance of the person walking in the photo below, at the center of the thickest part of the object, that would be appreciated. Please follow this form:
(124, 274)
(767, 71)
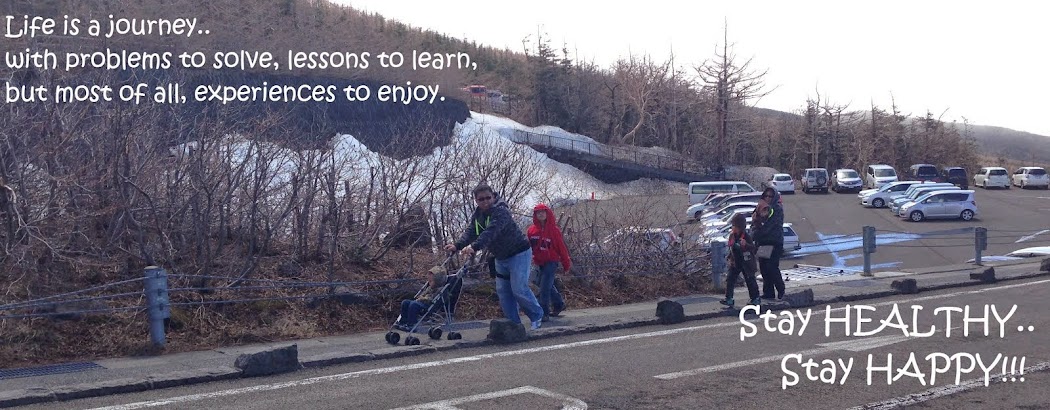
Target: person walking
(493, 228)
(741, 261)
(768, 232)
(548, 249)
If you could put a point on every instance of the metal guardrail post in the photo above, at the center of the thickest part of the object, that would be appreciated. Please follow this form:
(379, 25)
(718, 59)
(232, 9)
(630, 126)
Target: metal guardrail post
(718, 264)
(868, 234)
(158, 306)
(980, 243)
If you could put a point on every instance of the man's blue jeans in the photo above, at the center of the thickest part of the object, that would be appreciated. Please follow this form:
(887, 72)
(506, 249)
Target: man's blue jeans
(515, 291)
(548, 292)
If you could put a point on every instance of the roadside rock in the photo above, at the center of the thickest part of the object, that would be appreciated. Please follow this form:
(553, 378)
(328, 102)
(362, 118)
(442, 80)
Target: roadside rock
(670, 312)
(800, 299)
(280, 360)
(505, 331)
(905, 286)
(1045, 266)
(987, 275)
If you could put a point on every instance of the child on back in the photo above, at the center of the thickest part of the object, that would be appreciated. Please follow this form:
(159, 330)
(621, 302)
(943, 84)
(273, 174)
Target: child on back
(412, 308)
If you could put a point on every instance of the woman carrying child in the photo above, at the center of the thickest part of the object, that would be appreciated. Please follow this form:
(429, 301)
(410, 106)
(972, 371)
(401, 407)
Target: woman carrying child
(741, 259)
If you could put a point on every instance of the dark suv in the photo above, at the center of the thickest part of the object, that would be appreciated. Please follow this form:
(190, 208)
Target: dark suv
(924, 172)
(957, 176)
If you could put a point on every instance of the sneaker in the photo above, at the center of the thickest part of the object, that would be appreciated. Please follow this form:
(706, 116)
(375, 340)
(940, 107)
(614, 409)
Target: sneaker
(536, 324)
(756, 302)
(727, 302)
(557, 312)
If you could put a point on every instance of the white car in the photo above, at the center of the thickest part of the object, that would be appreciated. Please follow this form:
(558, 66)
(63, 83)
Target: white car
(782, 183)
(1025, 177)
(697, 210)
(1033, 252)
(728, 208)
(992, 176)
(728, 216)
(878, 198)
(791, 240)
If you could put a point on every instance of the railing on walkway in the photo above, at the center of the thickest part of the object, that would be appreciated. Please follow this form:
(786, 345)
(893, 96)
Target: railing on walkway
(624, 154)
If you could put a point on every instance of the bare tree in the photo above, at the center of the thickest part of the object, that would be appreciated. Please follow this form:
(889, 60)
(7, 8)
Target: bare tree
(730, 85)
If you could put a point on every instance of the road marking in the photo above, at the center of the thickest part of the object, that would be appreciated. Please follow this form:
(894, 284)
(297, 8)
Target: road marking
(476, 358)
(943, 391)
(568, 402)
(1032, 236)
(855, 345)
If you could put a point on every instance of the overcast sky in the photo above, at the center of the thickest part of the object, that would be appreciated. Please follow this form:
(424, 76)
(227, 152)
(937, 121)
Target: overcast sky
(986, 63)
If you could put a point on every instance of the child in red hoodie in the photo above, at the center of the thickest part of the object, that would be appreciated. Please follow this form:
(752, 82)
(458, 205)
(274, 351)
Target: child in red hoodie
(548, 248)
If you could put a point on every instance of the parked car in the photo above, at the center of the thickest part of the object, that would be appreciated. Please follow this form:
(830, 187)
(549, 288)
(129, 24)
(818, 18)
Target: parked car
(696, 210)
(846, 180)
(815, 179)
(1025, 177)
(727, 209)
(915, 192)
(941, 204)
(875, 176)
(992, 176)
(956, 176)
(638, 238)
(727, 217)
(782, 183)
(878, 198)
(924, 172)
(731, 199)
(700, 190)
(791, 239)
(1020, 254)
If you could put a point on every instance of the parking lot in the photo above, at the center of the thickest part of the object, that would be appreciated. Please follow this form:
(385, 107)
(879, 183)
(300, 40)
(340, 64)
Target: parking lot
(829, 226)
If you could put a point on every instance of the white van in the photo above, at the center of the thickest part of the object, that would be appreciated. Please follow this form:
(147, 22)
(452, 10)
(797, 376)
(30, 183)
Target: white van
(699, 190)
(878, 175)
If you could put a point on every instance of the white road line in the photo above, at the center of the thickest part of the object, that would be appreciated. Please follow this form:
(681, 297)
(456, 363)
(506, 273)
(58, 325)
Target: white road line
(568, 402)
(386, 370)
(1032, 236)
(942, 391)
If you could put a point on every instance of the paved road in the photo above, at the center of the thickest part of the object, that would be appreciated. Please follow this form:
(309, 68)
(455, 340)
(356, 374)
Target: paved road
(697, 365)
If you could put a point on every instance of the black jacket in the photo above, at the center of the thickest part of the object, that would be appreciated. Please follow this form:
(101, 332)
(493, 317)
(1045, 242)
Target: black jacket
(772, 231)
(496, 231)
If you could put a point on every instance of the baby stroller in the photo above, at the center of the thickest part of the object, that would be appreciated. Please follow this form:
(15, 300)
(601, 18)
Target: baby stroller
(439, 313)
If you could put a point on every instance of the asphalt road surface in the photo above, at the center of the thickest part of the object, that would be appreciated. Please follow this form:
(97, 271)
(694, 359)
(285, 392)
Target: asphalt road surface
(701, 365)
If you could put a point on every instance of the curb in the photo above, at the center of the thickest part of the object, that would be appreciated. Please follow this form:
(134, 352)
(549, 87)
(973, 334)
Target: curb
(183, 378)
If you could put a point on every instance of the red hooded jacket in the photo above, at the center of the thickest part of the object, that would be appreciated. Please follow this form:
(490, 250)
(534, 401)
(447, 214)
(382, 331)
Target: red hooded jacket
(546, 240)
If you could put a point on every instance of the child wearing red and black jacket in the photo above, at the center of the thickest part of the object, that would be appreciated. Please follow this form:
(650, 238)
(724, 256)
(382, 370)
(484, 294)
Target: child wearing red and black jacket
(548, 249)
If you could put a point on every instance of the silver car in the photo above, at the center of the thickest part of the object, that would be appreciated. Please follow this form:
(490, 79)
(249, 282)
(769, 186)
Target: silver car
(948, 204)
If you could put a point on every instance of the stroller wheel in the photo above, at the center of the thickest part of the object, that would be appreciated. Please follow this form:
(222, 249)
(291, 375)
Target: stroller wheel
(411, 341)
(435, 333)
(393, 337)
(454, 336)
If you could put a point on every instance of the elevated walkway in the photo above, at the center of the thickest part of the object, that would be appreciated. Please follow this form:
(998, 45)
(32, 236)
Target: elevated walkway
(616, 164)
